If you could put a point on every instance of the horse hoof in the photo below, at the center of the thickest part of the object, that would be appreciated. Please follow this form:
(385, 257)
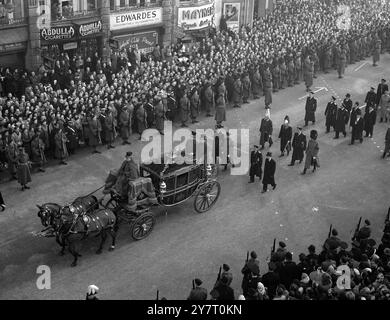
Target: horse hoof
(73, 264)
(99, 251)
(111, 248)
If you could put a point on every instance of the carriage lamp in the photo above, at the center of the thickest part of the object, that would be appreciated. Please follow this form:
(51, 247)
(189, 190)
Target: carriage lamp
(209, 170)
(163, 187)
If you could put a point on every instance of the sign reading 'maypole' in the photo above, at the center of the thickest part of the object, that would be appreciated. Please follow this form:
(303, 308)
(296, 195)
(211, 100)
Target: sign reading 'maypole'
(135, 18)
(58, 33)
(195, 18)
(90, 28)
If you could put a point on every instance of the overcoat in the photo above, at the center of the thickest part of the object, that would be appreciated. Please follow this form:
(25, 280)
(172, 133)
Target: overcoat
(312, 152)
(269, 172)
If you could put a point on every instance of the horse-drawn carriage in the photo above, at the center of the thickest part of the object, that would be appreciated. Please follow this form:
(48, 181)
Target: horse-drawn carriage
(160, 184)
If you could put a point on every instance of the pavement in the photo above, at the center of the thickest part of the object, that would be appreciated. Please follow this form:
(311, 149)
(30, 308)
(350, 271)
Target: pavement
(352, 182)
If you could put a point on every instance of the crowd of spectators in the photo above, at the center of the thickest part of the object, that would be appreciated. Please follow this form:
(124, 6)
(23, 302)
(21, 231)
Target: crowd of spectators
(359, 271)
(81, 102)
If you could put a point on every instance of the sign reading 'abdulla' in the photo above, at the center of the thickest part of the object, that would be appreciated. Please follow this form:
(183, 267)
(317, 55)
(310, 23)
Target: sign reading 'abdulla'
(137, 18)
(195, 18)
(58, 33)
(90, 28)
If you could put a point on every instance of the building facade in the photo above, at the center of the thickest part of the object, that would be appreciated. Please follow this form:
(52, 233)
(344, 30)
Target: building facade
(39, 31)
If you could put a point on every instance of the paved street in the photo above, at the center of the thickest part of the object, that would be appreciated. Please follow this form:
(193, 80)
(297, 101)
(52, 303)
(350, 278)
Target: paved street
(353, 181)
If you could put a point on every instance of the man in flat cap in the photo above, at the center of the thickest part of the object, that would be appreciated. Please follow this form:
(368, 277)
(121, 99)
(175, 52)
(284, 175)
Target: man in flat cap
(198, 293)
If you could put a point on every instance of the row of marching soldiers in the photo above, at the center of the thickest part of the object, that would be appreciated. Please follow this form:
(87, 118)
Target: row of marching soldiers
(334, 273)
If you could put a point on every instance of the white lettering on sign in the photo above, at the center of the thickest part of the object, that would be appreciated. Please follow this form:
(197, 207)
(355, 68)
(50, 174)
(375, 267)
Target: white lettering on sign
(59, 33)
(133, 19)
(90, 28)
(193, 18)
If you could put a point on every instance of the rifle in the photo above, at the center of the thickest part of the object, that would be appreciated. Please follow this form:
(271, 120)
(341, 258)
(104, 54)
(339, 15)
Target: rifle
(247, 256)
(219, 274)
(357, 229)
(157, 295)
(193, 284)
(330, 231)
(273, 247)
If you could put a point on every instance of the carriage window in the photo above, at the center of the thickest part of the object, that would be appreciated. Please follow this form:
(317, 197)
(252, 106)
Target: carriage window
(182, 180)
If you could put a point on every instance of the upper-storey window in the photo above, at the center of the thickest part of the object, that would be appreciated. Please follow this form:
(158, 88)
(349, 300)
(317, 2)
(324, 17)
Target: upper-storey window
(12, 11)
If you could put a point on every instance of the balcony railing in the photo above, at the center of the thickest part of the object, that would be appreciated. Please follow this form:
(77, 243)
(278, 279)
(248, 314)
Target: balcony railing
(67, 15)
(139, 5)
(5, 22)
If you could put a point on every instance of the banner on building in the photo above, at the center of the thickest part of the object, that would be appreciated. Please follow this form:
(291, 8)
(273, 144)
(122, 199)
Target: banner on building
(135, 18)
(232, 12)
(195, 18)
(87, 29)
(58, 33)
(146, 41)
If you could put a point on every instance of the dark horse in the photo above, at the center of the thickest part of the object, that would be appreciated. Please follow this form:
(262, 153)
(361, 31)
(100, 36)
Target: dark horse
(78, 221)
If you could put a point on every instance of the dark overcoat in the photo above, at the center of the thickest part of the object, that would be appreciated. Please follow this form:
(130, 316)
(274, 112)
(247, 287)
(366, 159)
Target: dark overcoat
(269, 172)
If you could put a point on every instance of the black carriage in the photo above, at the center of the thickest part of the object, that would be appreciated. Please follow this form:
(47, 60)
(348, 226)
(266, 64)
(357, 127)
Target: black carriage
(172, 184)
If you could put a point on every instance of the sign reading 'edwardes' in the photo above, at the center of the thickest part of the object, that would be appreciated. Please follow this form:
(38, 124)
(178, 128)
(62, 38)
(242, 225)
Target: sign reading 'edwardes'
(137, 18)
(58, 33)
(195, 18)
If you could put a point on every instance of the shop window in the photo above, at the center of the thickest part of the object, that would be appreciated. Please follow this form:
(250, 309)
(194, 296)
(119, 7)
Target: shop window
(12, 11)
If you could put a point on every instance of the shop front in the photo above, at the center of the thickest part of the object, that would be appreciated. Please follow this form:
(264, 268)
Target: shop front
(195, 22)
(137, 27)
(13, 47)
(81, 39)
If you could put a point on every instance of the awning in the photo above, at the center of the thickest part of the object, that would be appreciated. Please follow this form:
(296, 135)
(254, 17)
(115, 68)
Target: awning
(115, 33)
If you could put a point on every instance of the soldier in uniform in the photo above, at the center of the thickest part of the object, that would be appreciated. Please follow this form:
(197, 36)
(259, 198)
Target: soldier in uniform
(198, 293)
(290, 71)
(251, 272)
(266, 131)
(283, 73)
(285, 136)
(209, 99)
(95, 129)
(184, 109)
(357, 127)
(308, 73)
(23, 165)
(61, 152)
(124, 125)
(275, 76)
(195, 103)
(299, 146)
(377, 51)
(330, 114)
(150, 113)
(298, 68)
(237, 92)
(220, 109)
(140, 115)
(38, 152)
(256, 164)
(327, 59)
(109, 129)
(257, 84)
(246, 87)
(267, 85)
(310, 109)
(171, 103)
(12, 156)
(159, 114)
(341, 62)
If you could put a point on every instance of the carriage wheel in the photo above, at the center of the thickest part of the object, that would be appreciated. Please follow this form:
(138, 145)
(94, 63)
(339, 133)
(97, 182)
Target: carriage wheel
(207, 196)
(142, 226)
